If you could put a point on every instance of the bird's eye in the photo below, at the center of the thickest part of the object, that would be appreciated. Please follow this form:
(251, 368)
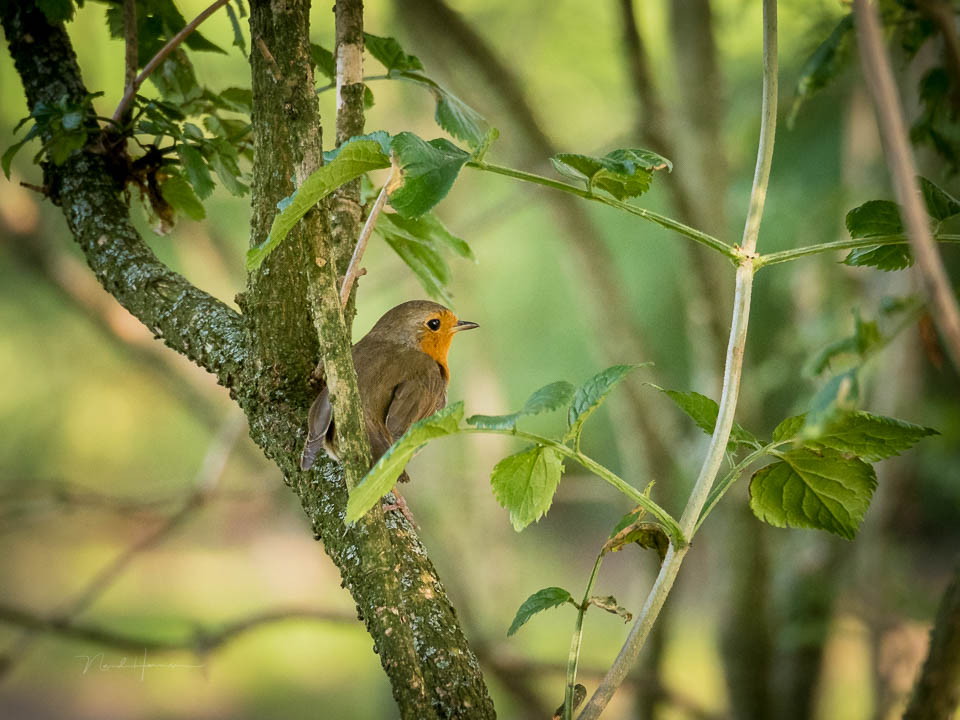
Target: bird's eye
(433, 324)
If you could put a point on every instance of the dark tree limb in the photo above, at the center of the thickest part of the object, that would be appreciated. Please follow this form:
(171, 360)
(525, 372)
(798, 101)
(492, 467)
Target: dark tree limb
(936, 695)
(187, 319)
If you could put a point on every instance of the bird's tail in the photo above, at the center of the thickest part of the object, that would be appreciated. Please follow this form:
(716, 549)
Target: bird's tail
(321, 414)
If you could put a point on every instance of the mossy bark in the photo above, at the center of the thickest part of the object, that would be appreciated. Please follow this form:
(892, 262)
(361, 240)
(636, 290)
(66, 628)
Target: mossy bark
(266, 356)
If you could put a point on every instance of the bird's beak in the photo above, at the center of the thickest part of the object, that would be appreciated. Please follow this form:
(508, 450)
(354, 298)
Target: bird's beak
(464, 325)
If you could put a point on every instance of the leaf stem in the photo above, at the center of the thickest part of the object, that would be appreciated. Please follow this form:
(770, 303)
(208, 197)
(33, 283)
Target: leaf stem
(161, 55)
(698, 236)
(671, 525)
(720, 489)
(731, 382)
(783, 256)
(573, 659)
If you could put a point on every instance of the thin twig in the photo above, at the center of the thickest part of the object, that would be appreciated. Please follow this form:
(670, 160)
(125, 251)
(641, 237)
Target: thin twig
(200, 639)
(353, 270)
(205, 481)
(272, 65)
(775, 258)
(731, 382)
(161, 55)
(903, 172)
(130, 39)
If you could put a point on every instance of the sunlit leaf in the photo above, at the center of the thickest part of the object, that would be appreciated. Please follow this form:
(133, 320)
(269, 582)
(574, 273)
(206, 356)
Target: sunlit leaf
(622, 173)
(525, 483)
(589, 396)
(429, 169)
(549, 397)
(388, 51)
(704, 411)
(541, 600)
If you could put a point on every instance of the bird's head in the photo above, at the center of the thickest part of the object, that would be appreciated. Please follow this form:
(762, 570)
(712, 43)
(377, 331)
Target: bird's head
(423, 325)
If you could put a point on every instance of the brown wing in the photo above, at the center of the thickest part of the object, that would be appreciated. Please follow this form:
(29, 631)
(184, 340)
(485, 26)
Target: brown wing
(414, 400)
(321, 413)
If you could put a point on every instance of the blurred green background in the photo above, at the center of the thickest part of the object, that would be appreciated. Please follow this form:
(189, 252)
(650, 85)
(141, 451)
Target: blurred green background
(106, 434)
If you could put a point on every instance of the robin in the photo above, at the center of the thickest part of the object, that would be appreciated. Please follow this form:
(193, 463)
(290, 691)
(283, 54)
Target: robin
(402, 375)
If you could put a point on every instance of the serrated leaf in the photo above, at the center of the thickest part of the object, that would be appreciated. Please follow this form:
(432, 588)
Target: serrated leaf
(383, 475)
(589, 396)
(939, 203)
(196, 169)
(427, 264)
(452, 113)
(704, 411)
(824, 65)
(178, 193)
(869, 437)
(323, 61)
(609, 603)
(873, 219)
(808, 489)
(525, 483)
(623, 173)
(789, 428)
(389, 53)
(429, 170)
(882, 257)
(541, 600)
(351, 160)
(549, 397)
(56, 11)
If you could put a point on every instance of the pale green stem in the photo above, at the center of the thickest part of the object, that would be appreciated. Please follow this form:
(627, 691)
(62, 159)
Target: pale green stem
(783, 256)
(731, 382)
(662, 220)
(573, 660)
(672, 528)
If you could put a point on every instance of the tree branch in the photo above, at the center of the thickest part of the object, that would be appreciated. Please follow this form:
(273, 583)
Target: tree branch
(731, 381)
(162, 54)
(903, 173)
(187, 319)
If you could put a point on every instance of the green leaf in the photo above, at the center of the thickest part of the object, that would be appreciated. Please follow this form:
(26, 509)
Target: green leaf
(238, 39)
(840, 393)
(549, 397)
(428, 229)
(541, 600)
(809, 489)
(874, 218)
(62, 144)
(240, 99)
(592, 393)
(323, 61)
(824, 65)
(352, 159)
(390, 54)
(383, 475)
(866, 335)
(56, 11)
(789, 428)
(452, 114)
(429, 169)
(622, 173)
(869, 437)
(704, 411)
(224, 163)
(178, 193)
(940, 204)
(196, 168)
(426, 262)
(882, 257)
(525, 483)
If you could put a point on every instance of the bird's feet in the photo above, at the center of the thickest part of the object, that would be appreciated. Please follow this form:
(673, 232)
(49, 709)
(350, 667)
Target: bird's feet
(400, 504)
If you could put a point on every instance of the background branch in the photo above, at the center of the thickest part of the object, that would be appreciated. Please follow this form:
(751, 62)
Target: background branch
(878, 74)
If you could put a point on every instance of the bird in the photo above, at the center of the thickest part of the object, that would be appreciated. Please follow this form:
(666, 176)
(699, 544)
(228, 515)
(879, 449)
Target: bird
(402, 376)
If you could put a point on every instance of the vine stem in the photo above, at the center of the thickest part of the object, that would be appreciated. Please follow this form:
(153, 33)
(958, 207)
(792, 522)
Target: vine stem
(671, 525)
(131, 89)
(697, 236)
(903, 172)
(775, 258)
(573, 660)
(731, 382)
